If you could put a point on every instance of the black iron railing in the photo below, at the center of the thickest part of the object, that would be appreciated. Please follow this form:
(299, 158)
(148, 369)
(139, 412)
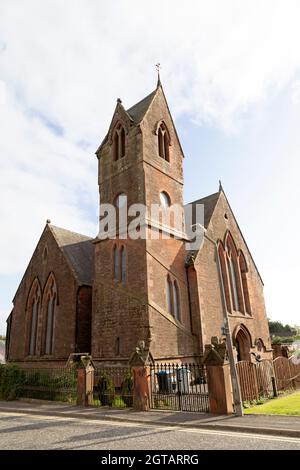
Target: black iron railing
(179, 387)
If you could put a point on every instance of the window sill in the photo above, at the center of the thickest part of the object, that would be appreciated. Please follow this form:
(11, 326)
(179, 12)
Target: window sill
(120, 284)
(119, 161)
(39, 358)
(240, 315)
(164, 159)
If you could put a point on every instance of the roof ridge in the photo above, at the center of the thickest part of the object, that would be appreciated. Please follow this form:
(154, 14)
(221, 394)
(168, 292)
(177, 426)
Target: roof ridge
(204, 197)
(209, 202)
(67, 248)
(139, 109)
(143, 99)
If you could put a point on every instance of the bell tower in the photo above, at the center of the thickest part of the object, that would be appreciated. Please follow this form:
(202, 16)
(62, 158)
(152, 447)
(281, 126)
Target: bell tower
(140, 290)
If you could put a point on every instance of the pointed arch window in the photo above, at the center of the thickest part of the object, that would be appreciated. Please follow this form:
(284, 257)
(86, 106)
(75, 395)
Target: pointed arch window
(34, 307)
(173, 299)
(176, 301)
(49, 326)
(233, 281)
(120, 264)
(260, 345)
(244, 271)
(163, 142)
(234, 274)
(118, 142)
(33, 332)
(116, 264)
(169, 296)
(123, 265)
(121, 201)
(50, 306)
(222, 258)
(165, 200)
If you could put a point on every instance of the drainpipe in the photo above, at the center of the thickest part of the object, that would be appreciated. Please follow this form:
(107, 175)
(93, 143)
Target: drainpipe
(189, 296)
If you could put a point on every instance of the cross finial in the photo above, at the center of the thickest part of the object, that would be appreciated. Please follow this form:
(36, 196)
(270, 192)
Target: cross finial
(158, 74)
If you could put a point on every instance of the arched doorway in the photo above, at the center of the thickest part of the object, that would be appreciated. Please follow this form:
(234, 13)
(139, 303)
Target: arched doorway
(242, 341)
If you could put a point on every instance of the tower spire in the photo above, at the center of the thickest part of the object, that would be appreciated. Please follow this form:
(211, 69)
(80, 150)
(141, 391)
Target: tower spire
(158, 74)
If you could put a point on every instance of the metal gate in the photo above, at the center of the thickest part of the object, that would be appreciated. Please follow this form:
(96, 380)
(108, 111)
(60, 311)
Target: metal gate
(181, 387)
(113, 386)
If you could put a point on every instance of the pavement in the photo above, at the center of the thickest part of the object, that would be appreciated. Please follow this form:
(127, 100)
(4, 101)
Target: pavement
(288, 426)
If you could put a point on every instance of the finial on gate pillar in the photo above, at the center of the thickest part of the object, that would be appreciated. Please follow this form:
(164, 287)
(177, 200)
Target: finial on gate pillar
(141, 356)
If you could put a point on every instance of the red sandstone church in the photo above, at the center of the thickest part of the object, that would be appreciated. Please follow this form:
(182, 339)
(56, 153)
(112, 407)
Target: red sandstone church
(101, 296)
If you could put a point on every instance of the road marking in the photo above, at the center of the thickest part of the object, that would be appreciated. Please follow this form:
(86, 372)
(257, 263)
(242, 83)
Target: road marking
(107, 422)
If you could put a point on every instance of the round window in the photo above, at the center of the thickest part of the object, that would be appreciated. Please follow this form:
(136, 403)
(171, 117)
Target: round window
(121, 200)
(164, 200)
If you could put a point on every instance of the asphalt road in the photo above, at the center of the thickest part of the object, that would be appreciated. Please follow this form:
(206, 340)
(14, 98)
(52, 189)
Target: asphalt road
(20, 431)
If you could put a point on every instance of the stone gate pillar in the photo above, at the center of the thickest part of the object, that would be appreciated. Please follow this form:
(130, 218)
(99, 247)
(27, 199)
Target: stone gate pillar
(140, 363)
(218, 378)
(85, 381)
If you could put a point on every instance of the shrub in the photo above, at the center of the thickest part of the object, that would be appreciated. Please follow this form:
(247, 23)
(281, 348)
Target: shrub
(258, 401)
(118, 402)
(106, 390)
(12, 378)
(276, 340)
(283, 340)
(96, 402)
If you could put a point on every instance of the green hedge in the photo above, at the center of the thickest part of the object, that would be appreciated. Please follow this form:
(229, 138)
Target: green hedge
(284, 340)
(12, 379)
(48, 385)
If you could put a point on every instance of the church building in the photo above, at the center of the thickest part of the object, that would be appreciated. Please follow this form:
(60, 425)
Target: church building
(103, 295)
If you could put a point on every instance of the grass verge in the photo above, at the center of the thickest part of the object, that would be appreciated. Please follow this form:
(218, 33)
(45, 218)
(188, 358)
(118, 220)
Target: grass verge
(287, 405)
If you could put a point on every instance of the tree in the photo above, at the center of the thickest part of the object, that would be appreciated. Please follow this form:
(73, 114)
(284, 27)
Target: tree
(277, 328)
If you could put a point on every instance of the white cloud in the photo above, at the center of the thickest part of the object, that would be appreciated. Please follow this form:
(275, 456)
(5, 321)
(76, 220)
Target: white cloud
(72, 58)
(2, 93)
(42, 176)
(296, 92)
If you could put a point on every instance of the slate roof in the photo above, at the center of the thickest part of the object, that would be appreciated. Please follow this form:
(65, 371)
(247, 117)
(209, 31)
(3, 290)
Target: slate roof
(209, 203)
(135, 113)
(138, 111)
(79, 251)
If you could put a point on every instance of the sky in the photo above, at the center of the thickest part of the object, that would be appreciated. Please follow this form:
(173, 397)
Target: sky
(231, 74)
